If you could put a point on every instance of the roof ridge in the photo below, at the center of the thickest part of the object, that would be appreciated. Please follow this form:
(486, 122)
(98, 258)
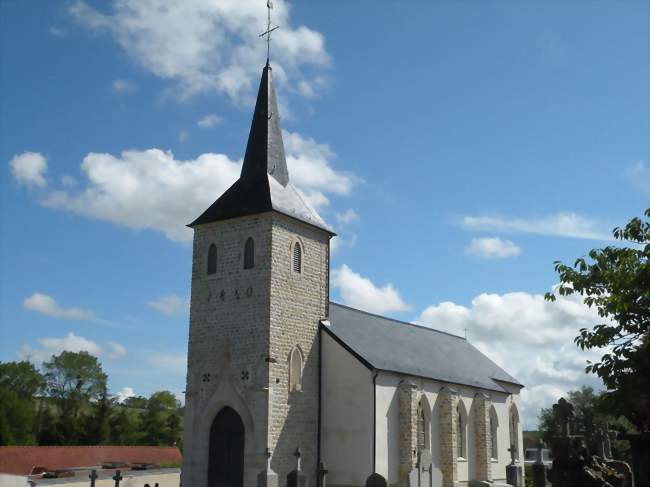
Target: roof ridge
(400, 321)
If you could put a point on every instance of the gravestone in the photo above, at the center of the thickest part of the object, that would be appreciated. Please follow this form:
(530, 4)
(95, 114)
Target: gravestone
(321, 473)
(514, 475)
(573, 464)
(117, 477)
(376, 480)
(539, 468)
(436, 477)
(424, 468)
(267, 477)
(297, 477)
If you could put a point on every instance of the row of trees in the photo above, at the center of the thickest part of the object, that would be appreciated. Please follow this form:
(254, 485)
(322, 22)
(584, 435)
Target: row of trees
(67, 403)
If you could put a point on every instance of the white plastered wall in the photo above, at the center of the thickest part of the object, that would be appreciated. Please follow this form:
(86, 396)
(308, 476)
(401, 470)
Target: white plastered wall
(346, 421)
(387, 425)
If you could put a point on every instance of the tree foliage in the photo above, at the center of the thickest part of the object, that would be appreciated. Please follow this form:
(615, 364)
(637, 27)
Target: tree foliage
(591, 413)
(616, 281)
(20, 382)
(70, 405)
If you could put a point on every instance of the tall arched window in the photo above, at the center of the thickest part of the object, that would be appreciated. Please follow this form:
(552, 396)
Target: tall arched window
(421, 428)
(296, 258)
(494, 433)
(514, 430)
(249, 254)
(295, 370)
(461, 429)
(212, 259)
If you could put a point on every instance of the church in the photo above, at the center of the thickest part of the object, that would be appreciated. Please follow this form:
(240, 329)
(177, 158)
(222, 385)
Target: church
(274, 366)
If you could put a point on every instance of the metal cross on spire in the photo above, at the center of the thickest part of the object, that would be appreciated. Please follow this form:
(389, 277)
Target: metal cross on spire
(269, 29)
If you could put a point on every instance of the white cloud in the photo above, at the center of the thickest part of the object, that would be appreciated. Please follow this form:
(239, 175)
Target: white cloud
(360, 292)
(148, 189)
(209, 45)
(47, 305)
(559, 225)
(183, 135)
(170, 362)
(115, 350)
(209, 121)
(492, 248)
(347, 217)
(151, 189)
(339, 242)
(169, 305)
(29, 168)
(310, 169)
(532, 339)
(70, 343)
(124, 394)
(639, 176)
(122, 86)
(57, 31)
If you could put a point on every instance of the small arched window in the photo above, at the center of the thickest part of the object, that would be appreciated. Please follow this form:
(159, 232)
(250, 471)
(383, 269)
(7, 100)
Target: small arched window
(295, 370)
(494, 434)
(514, 430)
(249, 254)
(296, 258)
(212, 259)
(461, 428)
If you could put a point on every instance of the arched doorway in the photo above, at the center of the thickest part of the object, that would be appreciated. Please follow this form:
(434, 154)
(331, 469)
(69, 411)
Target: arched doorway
(226, 461)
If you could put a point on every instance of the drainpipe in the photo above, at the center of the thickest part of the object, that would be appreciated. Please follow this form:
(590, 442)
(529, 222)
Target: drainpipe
(374, 421)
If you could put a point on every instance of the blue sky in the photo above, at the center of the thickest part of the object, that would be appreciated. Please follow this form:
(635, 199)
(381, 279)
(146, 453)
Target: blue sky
(458, 148)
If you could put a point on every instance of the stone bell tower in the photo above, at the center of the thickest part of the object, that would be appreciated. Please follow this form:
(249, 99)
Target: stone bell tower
(260, 280)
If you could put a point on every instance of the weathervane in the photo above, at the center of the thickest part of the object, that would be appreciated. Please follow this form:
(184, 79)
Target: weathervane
(267, 33)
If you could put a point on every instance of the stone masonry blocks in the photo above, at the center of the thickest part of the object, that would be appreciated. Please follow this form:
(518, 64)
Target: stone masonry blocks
(448, 437)
(243, 325)
(408, 408)
(482, 436)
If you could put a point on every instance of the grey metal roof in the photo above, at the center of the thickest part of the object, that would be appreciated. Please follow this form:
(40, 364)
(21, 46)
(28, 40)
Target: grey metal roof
(263, 184)
(387, 344)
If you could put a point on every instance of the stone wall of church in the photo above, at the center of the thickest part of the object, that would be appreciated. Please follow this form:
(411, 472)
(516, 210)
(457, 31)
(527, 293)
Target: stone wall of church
(228, 341)
(408, 429)
(482, 435)
(298, 302)
(441, 402)
(448, 437)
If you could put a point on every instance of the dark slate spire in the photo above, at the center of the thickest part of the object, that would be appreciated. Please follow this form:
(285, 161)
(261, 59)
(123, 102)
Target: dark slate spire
(263, 184)
(265, 150)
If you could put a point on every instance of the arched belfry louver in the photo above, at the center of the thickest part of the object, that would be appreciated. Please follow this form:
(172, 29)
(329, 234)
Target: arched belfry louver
(296, 258)
(212, 259)
(249, 254)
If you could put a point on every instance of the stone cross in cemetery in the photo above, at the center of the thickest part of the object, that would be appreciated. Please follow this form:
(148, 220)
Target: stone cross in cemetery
(539, 468)
(376, 480)
(92, 477)
(514, 475)
(573, 464)
(117, 477)
(297, 478)
(267, 477)
(565, 412)
(321, 473)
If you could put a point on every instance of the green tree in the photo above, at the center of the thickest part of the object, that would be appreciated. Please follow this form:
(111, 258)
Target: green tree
(126, 426)
(73, 380)
(20, 382)
(159, 429)
(98, 421)
(136, 402)
(616, 281)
